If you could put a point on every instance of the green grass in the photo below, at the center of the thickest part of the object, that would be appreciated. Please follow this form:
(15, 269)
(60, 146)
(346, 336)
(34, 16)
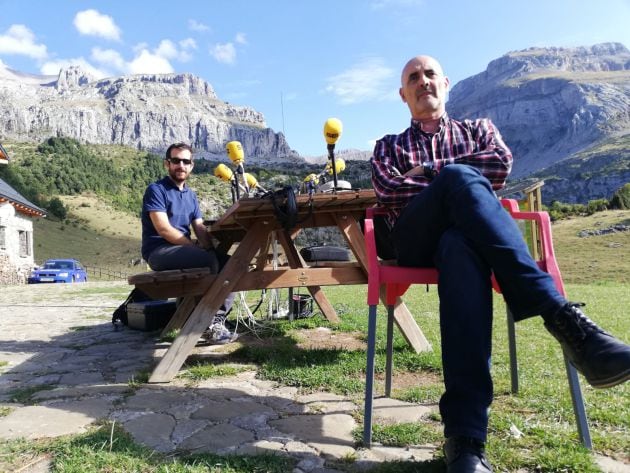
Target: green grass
(202, 371)
(107, 448)
(23, 395)
(542, 409)
(403, 435)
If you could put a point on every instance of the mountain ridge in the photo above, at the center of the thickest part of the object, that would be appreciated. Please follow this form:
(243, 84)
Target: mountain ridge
(144, 111)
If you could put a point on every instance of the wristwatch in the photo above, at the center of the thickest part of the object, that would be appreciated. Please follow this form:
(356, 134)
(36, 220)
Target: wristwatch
(428, 169)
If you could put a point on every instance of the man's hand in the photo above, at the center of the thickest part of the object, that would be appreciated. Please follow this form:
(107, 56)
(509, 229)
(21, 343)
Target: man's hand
(426, 169)
(167, 231)
(417, 171)
(201, 231)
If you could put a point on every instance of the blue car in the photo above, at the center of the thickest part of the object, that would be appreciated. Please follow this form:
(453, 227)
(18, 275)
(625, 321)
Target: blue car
(58, 270)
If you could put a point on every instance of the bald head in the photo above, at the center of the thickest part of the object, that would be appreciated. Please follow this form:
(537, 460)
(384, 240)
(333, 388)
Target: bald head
(419, 61)
(423, 87)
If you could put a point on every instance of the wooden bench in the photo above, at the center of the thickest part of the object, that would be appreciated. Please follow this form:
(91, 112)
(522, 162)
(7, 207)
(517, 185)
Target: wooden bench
(185, 283)
(192, 283)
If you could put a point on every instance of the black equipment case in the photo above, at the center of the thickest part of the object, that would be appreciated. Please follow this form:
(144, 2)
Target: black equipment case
(150, 315)
(325, 253)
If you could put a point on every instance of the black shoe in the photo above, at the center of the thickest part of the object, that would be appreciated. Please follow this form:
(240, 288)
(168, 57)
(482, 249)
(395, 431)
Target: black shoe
(465, 455)
(601, 358)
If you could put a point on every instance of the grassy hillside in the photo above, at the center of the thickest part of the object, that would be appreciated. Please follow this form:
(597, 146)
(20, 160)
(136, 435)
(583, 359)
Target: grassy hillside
(105, 185)
(94, 233)
(98, 235)
(587, 260)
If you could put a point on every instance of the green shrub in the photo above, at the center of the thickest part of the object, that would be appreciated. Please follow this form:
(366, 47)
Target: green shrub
(55, 206)
(621, 197)
(596, 205)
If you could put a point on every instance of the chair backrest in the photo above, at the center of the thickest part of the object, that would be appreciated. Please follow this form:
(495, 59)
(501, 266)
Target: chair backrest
(397, 279)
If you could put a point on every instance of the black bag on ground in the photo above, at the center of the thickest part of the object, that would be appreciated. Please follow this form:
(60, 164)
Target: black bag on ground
(120, 314)
(325, 253)
(150, 315)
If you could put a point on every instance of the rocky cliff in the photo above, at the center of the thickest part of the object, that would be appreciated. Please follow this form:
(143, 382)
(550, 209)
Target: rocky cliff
(550, 103)
(142, 111)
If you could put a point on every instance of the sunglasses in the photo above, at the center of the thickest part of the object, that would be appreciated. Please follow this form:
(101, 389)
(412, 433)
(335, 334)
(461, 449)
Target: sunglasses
(186, 162)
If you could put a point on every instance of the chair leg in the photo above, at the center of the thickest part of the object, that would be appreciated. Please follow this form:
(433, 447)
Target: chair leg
(390, 351)
(578, 405)
(369, 378)
(574, 385)
(512, 349)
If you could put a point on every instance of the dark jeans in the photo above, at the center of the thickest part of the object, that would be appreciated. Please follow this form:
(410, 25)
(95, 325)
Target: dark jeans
(169, 256)
(459, 226)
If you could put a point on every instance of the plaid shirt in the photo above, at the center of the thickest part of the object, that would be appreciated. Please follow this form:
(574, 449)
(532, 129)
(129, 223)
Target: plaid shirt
(477, 143)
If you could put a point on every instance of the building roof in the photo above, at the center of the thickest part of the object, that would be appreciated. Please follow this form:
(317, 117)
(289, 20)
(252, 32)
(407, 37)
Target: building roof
(21, 204)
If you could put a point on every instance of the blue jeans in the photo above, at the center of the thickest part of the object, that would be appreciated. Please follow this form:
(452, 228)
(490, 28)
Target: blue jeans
(169, 256)
(459, 226)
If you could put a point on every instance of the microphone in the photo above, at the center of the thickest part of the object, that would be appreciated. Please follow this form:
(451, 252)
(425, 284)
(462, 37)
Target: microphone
(310, 182)
(252, 182)
(223, 172)
(237, 156)
(235, 152)
(332, 132)
(340, 165)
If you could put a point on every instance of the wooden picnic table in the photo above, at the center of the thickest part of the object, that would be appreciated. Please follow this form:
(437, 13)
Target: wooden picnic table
(252, 224)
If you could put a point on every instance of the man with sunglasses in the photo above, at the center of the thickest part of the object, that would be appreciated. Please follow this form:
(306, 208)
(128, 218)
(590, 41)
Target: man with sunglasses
(169, 209)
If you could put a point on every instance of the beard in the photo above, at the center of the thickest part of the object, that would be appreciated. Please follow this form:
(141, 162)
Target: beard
(178, 176)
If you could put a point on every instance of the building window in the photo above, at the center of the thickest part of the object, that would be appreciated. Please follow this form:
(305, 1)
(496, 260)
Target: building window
(25, 243)
(3, 240)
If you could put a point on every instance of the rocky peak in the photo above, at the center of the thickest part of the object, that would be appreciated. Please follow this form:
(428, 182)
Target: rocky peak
(550, 102)
(600, 57)
(73, 77)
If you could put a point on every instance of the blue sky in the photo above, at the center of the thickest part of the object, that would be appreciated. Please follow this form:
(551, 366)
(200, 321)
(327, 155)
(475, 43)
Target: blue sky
(299, 62)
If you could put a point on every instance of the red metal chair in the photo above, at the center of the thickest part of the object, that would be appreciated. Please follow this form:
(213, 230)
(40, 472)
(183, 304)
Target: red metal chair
(396, 280)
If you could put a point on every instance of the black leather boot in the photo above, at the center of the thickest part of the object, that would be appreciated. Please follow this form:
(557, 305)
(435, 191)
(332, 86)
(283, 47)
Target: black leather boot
(465, 455)
(602, 359)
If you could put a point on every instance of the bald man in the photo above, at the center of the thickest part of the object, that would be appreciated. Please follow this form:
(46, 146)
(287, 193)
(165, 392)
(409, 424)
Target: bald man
(438, 178)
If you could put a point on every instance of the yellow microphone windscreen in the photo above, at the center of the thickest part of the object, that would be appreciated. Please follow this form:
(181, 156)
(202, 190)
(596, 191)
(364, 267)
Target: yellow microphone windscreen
(313, 178)
(332, 130)
(235, 152)
(251, 180)
(340, 165)
(223, 172)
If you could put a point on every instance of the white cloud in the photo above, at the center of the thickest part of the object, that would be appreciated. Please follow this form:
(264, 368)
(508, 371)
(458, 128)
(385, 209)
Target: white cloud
(194, 25)
(367, 80)
(18, 39)
(224, 53)
(188, 43)
(93, 23)
(393, 4)
(241, 38)
(110, 58)
(52, 68)
(166, 49)
(149, 63)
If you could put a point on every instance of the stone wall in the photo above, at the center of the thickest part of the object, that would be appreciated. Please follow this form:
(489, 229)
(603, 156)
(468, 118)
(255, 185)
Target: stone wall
(16, 246)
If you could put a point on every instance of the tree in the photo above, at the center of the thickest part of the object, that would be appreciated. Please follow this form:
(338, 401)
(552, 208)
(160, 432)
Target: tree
(621, 197)
(56, 207)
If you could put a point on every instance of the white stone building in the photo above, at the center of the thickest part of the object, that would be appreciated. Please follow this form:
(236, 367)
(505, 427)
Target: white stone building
(16, 233)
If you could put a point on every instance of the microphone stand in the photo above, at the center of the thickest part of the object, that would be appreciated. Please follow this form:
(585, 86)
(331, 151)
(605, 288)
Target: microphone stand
(236, 192)
(331, 156)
